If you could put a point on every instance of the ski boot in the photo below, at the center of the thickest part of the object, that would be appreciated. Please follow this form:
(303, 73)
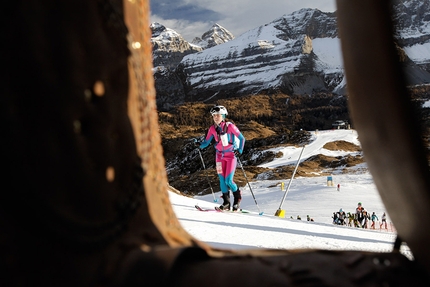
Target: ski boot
(226, 204)
(237, 198)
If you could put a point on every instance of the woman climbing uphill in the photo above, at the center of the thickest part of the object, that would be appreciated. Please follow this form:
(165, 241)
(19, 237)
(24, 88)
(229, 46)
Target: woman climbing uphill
(227, 148)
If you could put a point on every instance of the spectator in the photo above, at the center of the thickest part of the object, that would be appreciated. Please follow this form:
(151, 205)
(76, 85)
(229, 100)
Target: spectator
(373, 218)
(360, 219)
(341, 217)
(351, 219)
(365, 218)
(335, 219)
(383, 221)
(359, 208)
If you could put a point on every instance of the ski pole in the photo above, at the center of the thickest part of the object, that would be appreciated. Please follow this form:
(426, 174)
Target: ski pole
(204, 168)
(259, 212)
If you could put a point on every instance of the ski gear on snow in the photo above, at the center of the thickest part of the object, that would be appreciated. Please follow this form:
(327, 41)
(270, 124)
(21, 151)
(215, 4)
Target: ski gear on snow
(206, 209)
(217, 209)
(237, 198)
(226, 204)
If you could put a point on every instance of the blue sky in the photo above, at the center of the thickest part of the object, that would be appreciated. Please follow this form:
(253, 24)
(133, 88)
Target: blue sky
(191, 18)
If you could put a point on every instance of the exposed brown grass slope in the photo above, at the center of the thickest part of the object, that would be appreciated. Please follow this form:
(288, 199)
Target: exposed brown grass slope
(266, 121)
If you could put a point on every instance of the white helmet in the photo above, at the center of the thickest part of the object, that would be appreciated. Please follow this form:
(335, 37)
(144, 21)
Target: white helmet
(219, 110)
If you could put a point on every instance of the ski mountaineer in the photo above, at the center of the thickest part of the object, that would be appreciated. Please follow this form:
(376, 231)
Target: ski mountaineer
(227, 149)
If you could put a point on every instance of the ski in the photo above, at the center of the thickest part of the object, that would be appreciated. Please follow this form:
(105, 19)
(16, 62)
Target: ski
(206, 209)
(217, 209)
(240, 210)
(229, 210)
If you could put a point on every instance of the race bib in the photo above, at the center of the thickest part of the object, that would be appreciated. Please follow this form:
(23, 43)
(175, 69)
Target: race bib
(219, 167)
(224, 139)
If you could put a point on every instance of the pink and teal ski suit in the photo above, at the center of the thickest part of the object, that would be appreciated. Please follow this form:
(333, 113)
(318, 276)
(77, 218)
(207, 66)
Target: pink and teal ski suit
(225, 159)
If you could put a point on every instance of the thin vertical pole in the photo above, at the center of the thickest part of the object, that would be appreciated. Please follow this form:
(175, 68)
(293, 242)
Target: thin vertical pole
(291, 179)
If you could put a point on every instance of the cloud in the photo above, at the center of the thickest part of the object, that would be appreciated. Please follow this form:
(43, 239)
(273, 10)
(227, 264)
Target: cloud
(191, 18)
(244, 15)
(180, 10)
(189, 30)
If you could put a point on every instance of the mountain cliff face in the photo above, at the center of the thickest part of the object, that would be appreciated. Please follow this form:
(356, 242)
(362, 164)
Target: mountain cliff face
(169, 47)
(413, 22)
(413, 30)
(298, 53)
(215, 36)
(278, 56)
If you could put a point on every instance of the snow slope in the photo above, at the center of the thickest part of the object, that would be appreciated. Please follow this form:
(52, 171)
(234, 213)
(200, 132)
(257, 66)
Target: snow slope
(319, 139)
(306, 196)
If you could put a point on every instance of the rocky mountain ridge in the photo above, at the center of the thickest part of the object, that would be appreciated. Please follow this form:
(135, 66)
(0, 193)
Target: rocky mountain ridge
(169, 47)
(216, 35)
(295, 54)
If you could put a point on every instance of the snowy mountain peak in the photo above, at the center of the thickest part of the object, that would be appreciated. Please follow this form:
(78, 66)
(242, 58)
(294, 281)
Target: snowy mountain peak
(157, 29)
(169, 47)
(215, 36)
(162, 34)
(311, 22)
(294, 54)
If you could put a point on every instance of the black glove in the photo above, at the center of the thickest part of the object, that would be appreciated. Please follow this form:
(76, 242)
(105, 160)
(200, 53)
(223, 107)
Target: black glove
(237, 153)
(197, 144)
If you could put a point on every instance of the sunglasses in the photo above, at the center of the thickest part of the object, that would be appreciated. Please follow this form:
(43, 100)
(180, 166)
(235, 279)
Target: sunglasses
(215, 109)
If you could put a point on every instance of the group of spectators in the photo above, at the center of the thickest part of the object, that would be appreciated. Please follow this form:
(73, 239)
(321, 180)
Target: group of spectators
(360, 218)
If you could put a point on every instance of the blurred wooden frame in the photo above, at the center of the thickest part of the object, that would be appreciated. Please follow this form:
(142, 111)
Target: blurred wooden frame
(144, 119)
